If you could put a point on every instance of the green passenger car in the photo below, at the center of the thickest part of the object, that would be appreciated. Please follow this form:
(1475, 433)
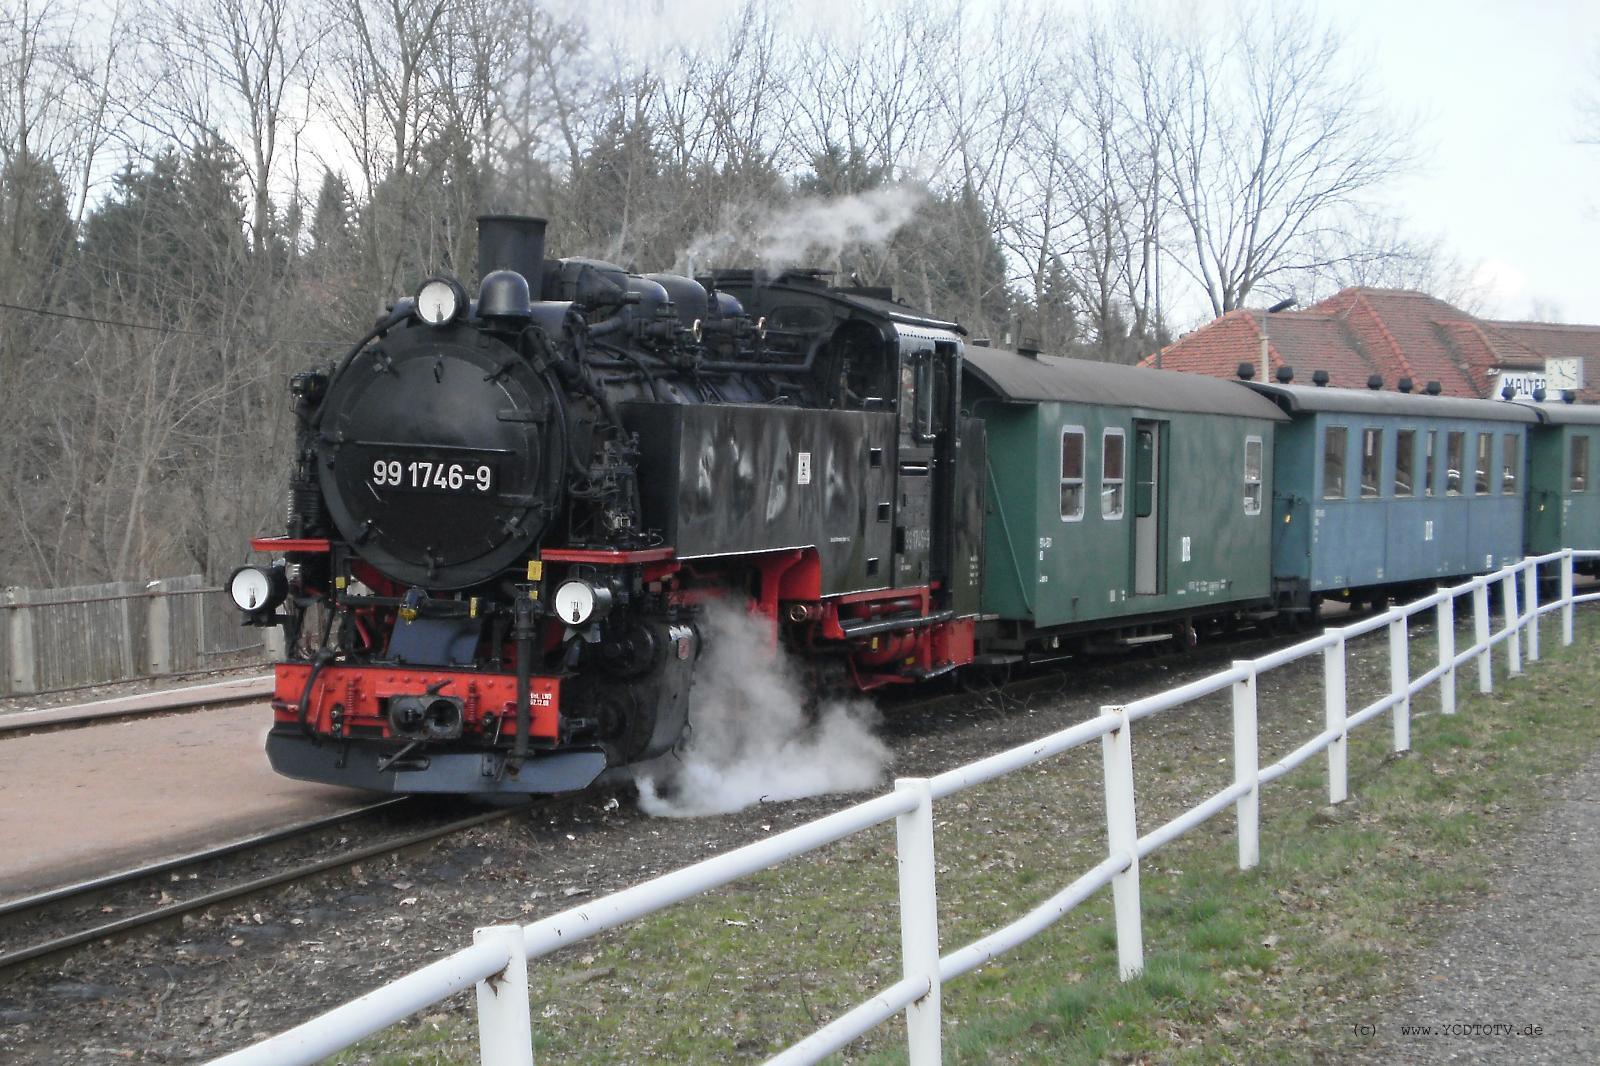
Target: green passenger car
(1563, 501)
(1132, 502)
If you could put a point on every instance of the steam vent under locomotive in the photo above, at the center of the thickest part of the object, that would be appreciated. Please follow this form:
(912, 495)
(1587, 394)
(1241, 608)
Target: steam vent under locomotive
(507, 513)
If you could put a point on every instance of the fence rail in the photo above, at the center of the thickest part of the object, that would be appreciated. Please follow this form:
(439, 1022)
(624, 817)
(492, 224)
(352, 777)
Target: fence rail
(496, 963)
(64, 638)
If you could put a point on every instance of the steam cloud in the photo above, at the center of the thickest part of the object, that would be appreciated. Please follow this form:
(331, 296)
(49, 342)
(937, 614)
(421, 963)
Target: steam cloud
(751, 738)
(806, 231)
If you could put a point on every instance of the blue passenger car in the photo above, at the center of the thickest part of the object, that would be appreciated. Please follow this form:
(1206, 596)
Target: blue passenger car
(1381, 490)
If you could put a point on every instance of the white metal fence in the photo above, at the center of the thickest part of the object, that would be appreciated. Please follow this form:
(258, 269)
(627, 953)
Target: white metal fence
(496, 963)
(53, 639)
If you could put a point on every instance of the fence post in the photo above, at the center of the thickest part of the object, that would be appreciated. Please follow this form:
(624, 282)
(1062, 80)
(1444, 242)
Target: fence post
(158, 629)
(1531, 598)
(1333, 703)
(919, 919)
(1400, 681)
(1508, 597)
(1247, 767)
(23, 678)
(1480, 632)
(1566, 598)
(505, 1028)
(1446, 625)
(1122, 837)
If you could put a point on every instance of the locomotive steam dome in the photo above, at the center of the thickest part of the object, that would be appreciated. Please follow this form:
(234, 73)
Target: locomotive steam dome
(439, 455)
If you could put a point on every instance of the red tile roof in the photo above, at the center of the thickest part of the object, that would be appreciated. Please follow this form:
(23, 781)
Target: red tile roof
(1394, 333)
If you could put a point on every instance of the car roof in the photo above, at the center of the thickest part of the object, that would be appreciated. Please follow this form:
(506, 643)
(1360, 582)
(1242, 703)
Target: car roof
(1310, 398)
(1568, 414)
(1031, 379)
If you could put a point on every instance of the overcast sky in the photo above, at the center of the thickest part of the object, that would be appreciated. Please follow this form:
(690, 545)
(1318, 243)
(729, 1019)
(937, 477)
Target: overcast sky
(1495, 85)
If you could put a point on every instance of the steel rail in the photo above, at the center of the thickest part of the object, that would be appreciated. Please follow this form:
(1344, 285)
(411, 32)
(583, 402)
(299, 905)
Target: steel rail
(63, 944)
(24, 904)
(135, 705)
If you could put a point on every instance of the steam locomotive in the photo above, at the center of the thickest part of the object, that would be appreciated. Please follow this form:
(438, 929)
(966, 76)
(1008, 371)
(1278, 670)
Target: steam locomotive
(507, 511)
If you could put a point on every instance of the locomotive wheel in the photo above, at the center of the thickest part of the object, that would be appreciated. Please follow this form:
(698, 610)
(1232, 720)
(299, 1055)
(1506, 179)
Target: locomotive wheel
(827, 681)
(1312, 617)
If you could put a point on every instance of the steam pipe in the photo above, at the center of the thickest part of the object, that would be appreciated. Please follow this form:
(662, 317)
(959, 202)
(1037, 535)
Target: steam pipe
(952, 457)
(751, 366)
(638, 364)
(400, 312)
(522, 633)
(554, 366)
(323, 658)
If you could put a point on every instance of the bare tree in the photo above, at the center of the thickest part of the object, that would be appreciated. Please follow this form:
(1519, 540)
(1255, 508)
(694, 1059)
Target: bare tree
(256, 54)
(873, 96)
(381, 97)
(986, 115)
(1377, 251)
(1273, 137)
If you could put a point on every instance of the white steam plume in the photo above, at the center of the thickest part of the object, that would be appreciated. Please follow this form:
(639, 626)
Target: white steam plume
(806, 231)
(751, 737)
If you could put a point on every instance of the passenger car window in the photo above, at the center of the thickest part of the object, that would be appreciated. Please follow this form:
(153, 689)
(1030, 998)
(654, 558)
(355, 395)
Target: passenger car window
(1455, 458)
(1333, 449)
(1072, 474)
(1578, 480)
(1405, 460)
(1252, 475)
(1428, 465)
(1508, 475)
(1480, 470)
(1111, 475)
(1371, 463)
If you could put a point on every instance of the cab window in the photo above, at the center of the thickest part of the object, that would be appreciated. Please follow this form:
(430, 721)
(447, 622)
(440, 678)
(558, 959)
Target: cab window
(1072, 474)
(1480, 469)
(1405, 460)
(1508, 464)
(1578, 480)
(1371, 463)
(1430, 463)
(1111, 474)
(1252, 475)
(1333, 452)
(1455, 458)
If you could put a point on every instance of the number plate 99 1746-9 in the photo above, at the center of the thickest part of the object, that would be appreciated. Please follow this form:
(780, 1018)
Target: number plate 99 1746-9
(472, 477)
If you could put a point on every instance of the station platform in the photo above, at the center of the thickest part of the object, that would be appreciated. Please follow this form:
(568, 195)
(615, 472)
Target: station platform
(79, 803)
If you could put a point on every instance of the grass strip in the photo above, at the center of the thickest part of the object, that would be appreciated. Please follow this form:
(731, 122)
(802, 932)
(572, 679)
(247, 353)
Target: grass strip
(1266, 965)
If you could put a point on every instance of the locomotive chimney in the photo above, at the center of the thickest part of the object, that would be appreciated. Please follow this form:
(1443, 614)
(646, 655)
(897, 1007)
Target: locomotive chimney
(512, 242)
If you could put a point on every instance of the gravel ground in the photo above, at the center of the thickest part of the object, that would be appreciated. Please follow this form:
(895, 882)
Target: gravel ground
(229, 977)
(1527, 956)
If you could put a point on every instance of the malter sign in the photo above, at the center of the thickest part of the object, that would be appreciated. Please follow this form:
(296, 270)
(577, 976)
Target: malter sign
(1558, 375)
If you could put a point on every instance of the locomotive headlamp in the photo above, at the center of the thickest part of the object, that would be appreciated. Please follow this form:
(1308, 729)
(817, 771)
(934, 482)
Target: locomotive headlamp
(258, 589)
(578, 601)
(440, 301)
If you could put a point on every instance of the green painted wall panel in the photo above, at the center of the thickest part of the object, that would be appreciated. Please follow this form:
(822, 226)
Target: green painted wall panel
(1052, 572)
(1557, 516)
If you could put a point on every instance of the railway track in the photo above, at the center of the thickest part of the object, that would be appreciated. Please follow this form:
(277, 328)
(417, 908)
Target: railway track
(122, 708)
(53, 924)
